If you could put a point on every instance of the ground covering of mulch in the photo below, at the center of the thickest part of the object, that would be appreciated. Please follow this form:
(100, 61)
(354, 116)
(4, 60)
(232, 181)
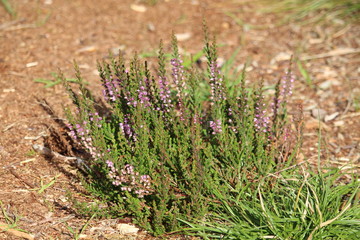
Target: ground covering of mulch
(48, 35)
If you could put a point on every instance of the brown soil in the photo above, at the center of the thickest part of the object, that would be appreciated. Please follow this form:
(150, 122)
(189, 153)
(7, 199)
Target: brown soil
(45, 37)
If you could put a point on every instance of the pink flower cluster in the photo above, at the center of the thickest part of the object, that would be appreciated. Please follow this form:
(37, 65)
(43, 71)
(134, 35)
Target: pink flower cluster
(130, 100)
(129, 180)
(127, 130)
(177, 72)
(111, 89)
(286, 84)
(164, 95)
(143, 94)
(216, 83)
(261, 121)
(216, 126)
(178, 76)
(80, 132)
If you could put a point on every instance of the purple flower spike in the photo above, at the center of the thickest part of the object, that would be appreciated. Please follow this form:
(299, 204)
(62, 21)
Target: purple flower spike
(216, 83)
(287, 83)
(178, 77)
(111, 89)
(261, 121)
(164, 93)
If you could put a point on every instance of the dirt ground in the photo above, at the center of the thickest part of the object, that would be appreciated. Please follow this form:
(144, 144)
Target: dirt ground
(47, 35)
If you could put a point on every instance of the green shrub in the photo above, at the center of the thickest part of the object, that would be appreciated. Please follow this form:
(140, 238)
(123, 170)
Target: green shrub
(170, 149)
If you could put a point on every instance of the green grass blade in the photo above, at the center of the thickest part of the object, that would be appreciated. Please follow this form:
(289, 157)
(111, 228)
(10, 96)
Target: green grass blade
(8, 7)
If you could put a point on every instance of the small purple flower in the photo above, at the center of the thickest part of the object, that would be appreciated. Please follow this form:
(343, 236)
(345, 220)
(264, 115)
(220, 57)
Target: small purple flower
(164, 94)
(287, 83)
(261, 121)
(216, 126)
(177, 72)
(129, 180)
(143, 95)
(109, 164)
(111, 89)
(127, 130)
(130, 100)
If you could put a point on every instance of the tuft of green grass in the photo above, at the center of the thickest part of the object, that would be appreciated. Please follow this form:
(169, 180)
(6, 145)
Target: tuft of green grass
(189, 59)
(11, 221)
(149, 2)
(77, 233)
(298, 205)
(305, 74)
(31, 153)
(8, 8)
(51, 83)
(356, 103)
(316, 10)
(44, 186)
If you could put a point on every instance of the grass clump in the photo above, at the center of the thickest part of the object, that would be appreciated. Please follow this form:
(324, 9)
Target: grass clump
(187, 147)
(292, 205)
(317, 10)
(8, 7)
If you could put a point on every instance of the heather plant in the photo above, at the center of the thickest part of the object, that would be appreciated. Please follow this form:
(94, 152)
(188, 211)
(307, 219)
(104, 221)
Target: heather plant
(166, 150)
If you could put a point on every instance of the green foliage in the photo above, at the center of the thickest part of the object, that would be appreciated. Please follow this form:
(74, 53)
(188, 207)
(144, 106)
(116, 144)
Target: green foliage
(11, 220)
(316, 9)
(296, 206)
(187, 61)
(190, 146)
(44, 186)
(50, 83)
(31, 153)
(76, 233)
(149, 2)
(305, 74)
(6, 4)
(356, 101)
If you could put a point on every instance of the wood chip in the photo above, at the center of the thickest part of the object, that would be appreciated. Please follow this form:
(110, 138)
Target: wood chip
(8, 90)
(331, 117)
(124, 228)
(31, 64)
(183, 36)
(282, 56)
(11, 23)
(86, 49)
(339, 123)
(151, 27)
(84, 66)
(351, 115)
(138, 8)
(335, 52)
(315, 124)
(8, 127)
(318, 113)
(20, 27)
(34, 138)
(17, 74)
(27, 160)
